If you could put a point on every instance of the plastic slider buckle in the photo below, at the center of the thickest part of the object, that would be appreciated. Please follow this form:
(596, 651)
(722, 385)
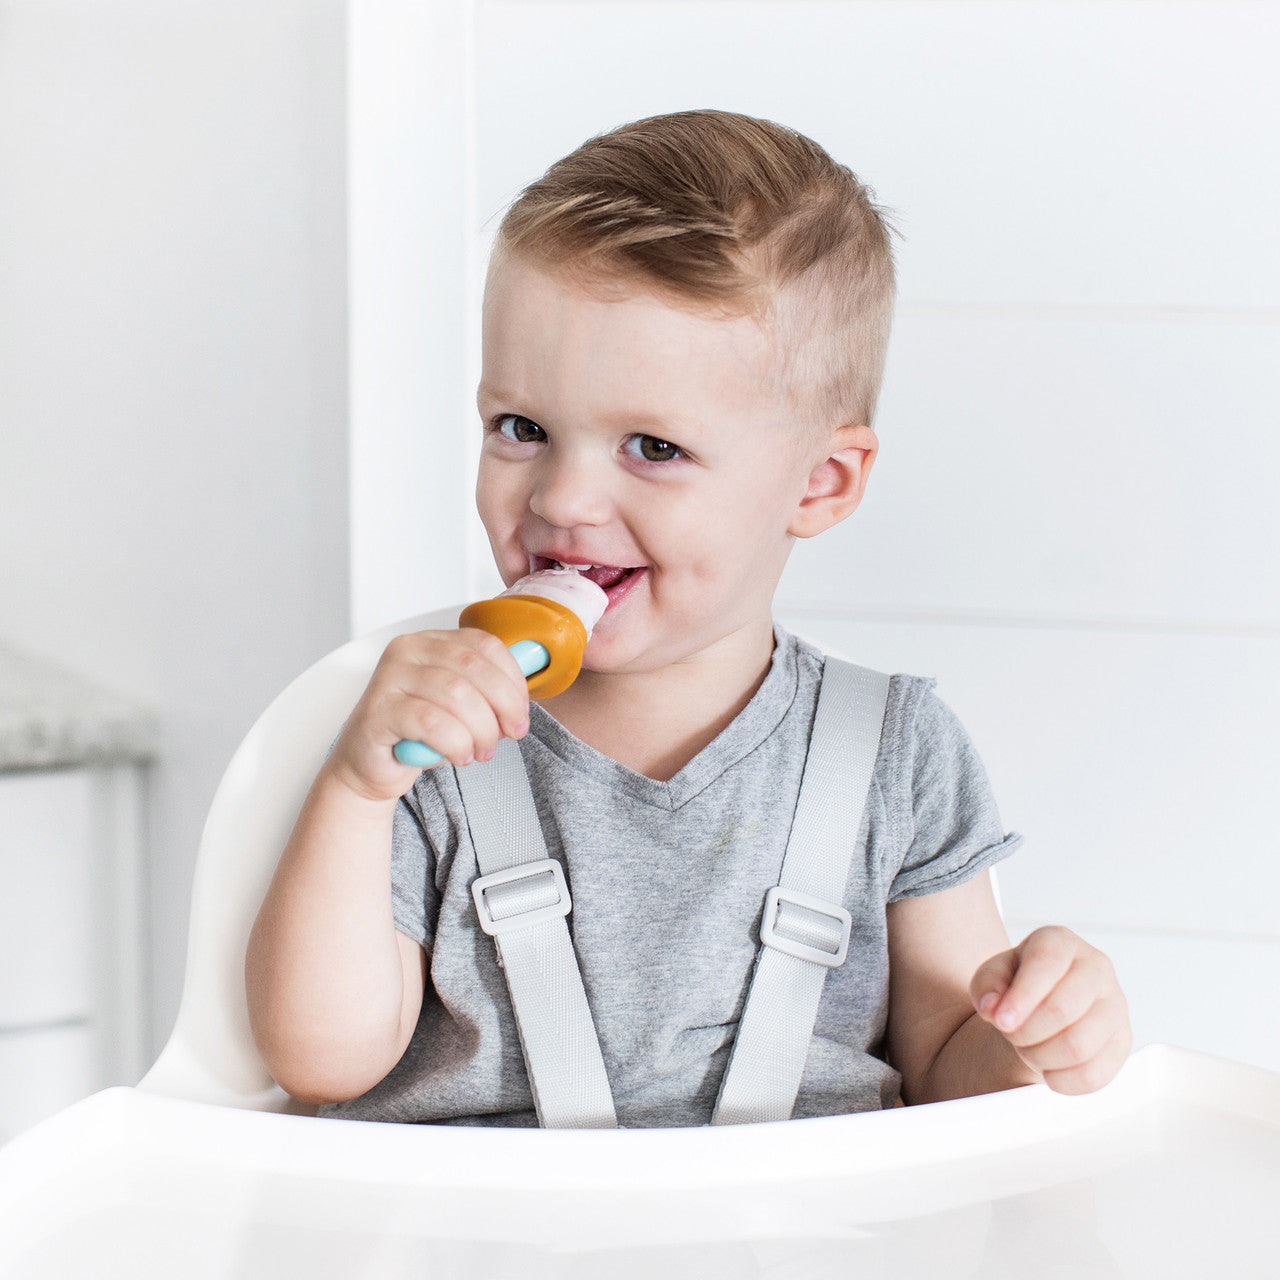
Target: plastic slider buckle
(522, 919)
(770, 936)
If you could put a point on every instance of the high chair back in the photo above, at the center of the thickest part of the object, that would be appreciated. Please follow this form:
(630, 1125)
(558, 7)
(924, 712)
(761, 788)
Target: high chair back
(210, 1055)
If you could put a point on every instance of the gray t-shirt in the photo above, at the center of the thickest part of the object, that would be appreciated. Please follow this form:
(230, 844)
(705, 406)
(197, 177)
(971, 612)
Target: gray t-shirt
(668, 882)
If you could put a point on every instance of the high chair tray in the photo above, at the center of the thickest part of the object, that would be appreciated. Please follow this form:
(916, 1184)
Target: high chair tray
(1173, 1170)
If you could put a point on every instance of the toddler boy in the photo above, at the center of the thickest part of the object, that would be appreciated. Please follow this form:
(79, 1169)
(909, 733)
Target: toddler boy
(684, 334)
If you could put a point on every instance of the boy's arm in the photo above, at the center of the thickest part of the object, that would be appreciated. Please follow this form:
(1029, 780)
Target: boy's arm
(954, 983)
(334, 989)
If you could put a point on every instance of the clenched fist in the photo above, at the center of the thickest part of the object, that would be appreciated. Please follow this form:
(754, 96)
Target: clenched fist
(1056, 1000)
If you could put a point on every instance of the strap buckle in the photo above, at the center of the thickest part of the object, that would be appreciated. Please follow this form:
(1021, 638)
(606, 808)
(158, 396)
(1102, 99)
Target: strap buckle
(511, 908)
(808, 928)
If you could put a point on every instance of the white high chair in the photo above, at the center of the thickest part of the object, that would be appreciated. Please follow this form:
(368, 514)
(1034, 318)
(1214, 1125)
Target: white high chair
(210, 1055)
(209, 1171)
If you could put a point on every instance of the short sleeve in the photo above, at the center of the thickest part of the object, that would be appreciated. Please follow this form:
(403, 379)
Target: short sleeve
(415, 901)
(953, 828)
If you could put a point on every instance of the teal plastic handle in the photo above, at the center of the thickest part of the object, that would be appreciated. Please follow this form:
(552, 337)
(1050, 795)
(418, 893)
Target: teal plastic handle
(531, 657)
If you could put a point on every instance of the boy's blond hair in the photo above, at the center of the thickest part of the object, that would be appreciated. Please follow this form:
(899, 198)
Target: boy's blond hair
(721, 212)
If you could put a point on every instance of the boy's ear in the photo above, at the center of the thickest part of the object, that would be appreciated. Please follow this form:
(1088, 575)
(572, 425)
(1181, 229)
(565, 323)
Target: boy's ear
(836, 482)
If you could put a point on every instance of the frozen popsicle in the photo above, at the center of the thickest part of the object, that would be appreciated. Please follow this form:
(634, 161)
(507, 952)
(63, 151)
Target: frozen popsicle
(545, 619)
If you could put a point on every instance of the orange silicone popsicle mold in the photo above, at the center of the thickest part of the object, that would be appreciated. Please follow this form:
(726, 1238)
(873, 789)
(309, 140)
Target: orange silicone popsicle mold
(554, 626)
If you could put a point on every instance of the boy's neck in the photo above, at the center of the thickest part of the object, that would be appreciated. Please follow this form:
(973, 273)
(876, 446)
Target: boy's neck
(656, 721)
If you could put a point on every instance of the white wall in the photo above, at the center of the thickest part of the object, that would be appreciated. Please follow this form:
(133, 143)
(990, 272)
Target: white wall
(413, 364)
(1073, 521)
(173, 475)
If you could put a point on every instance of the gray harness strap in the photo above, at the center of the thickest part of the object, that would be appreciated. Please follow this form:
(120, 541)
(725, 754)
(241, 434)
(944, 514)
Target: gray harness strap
(522, 901)
(804, 930)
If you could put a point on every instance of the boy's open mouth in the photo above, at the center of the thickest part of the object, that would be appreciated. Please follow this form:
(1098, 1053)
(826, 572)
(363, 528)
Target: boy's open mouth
(613, 579)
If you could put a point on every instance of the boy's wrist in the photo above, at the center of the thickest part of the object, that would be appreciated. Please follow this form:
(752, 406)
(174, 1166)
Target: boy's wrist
(342, 785)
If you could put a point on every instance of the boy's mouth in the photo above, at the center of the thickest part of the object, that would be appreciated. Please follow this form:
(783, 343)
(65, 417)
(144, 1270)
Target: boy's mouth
(614, 580)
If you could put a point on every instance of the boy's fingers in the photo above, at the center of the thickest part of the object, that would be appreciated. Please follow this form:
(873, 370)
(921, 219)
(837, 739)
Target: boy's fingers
(1094, 1073)
(443, 733)
(455, 693)
(446, 694)
(454, 669)
(461, 728)
(505, 686)
(1076, 1044)
(1072, 999)
(992, 980)
(484, 661)
(1061, 1009)
(1044, 958)
(502, 663)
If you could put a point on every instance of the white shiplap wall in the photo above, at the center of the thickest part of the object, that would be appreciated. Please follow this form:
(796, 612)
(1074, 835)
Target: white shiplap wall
(1073, 521)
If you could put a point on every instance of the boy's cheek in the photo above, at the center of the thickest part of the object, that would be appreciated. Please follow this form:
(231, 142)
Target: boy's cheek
(487, 492)
(499, 517)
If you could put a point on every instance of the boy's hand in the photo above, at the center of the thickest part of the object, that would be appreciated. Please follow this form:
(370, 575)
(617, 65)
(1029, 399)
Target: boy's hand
(460, 692)
(1056, 1000)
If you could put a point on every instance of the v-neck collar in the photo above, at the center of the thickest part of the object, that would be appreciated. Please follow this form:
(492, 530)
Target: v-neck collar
(744, 733)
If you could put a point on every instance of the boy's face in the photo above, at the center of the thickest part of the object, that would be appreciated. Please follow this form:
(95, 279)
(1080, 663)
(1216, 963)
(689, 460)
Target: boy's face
(634, 435)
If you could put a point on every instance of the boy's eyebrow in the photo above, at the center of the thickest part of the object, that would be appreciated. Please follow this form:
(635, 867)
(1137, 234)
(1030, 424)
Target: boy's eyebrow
(642, 419)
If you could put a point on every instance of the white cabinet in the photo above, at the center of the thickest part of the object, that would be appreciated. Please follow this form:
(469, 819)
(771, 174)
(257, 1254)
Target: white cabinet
(71, 998)
(72, 789)
(49, 871)
(44, 1069)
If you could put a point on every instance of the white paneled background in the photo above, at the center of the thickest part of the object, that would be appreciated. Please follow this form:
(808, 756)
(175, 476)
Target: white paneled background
(1073, 521)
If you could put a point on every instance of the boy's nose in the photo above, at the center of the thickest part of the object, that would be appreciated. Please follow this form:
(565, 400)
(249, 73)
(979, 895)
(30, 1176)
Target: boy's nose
(567, 494)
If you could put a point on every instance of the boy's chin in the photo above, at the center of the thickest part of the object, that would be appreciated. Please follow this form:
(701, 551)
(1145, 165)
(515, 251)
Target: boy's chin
(608, 655)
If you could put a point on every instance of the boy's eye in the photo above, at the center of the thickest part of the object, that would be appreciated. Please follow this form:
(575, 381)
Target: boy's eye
(522, 430)
(651, 449)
